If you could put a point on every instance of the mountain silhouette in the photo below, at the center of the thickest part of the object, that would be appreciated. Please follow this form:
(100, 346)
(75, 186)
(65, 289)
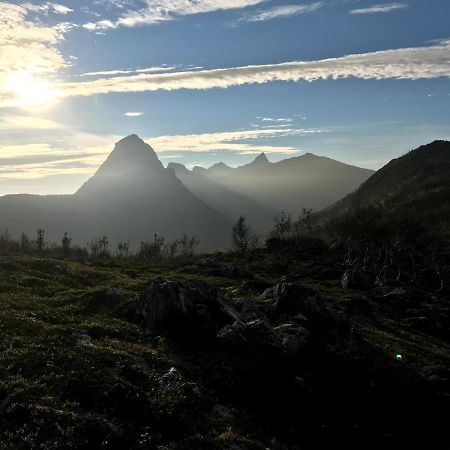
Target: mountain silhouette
(230, 203)
(130, 198)
(289, 185)
(416, 183)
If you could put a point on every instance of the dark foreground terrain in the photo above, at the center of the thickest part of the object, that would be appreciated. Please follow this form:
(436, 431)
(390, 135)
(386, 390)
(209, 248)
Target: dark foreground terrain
(263, 351)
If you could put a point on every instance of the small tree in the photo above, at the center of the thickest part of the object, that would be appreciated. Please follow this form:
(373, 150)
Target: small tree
(242, 237)
(282, 226)
(304, 225)
(171, 250)
(5, 239)
(123, 249)
(188, 245)
(40, 240)
(152, 250)
(66, 243)
(25, 243)
(99, 247)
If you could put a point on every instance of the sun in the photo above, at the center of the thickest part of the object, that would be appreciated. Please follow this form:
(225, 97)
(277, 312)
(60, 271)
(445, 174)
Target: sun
(28, 90)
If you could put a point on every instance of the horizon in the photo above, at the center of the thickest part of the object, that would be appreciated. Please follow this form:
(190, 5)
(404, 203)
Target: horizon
(214, 82)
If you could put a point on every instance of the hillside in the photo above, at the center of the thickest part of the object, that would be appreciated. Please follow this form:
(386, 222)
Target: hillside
(220, 352)
(416, 184)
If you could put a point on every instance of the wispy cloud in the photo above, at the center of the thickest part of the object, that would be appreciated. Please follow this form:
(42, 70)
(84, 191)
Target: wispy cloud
(133, 114)
(282, 11)
(128, 71)
(275, 119)
(12, 122)
(241, 142)
(48, 7)
(380, 8)
(405, 63)
(156, 11)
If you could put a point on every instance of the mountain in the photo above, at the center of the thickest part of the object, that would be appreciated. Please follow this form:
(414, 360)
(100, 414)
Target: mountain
(220, 198)
(306, 181)
(417, 183)
(130, 197)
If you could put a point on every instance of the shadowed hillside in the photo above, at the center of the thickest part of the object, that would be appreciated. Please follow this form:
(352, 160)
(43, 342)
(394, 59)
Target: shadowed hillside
(416, 184)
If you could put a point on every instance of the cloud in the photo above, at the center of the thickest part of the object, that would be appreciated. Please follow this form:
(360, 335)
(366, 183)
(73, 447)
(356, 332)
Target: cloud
(241, 142)
(133, 114)
(405, 63)
(275, 119)
(129, 71)
(381, 8)
(48, 7)
(282, 11)
(156, 11)
(26, 46)
(14, 122)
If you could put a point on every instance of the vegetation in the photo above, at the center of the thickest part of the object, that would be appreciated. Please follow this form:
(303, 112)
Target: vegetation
(243, 239)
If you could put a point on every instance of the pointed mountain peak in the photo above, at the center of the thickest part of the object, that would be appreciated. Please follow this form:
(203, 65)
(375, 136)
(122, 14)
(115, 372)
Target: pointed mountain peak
(260, 160)
(131, 161)
(130, 139)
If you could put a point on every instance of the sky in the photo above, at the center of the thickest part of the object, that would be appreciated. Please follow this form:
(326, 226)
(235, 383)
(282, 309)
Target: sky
(203, 81)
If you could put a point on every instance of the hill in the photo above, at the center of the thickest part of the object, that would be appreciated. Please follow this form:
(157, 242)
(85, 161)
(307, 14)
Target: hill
(416, 184)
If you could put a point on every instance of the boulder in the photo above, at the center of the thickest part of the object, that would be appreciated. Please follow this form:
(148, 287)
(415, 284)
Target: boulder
(107, 300)
(356, 279)
(256, 337)
(188, 308)
(297, 300)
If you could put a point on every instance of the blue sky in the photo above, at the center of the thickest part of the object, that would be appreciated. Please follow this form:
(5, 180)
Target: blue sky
(360, 81)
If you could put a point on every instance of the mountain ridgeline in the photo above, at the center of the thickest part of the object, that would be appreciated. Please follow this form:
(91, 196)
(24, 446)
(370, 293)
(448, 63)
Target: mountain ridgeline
(132, 196)
(416, 184)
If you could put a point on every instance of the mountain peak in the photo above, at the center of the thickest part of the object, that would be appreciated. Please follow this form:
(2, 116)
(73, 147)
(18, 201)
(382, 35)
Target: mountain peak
(130, 138)
(131, 162)
(260, 160)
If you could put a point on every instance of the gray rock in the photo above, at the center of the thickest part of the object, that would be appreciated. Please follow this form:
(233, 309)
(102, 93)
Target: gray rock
(190, 308)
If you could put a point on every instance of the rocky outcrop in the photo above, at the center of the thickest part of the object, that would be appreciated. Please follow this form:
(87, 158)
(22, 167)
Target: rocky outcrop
(194, 310)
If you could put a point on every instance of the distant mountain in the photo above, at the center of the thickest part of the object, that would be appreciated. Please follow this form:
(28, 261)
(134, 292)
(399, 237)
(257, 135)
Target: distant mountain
(220, 198)
(417, 183)
(306, 181)
(131, 197)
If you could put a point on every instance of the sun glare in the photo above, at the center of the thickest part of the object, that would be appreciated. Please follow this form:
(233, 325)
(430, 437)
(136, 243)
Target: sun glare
(28, 90)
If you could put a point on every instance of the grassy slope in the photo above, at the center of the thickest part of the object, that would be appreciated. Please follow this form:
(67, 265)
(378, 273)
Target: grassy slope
(73, 374)
(414, 183)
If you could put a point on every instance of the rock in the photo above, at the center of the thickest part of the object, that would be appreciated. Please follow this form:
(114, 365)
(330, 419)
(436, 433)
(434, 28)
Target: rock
(81, 335)
(233, 272)
(256, 338)
(249, 310)
(295, 339)
(183, 308)
(108, 299)
(295, 299)
(255, 285)
(355, 279)
(208, 262)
